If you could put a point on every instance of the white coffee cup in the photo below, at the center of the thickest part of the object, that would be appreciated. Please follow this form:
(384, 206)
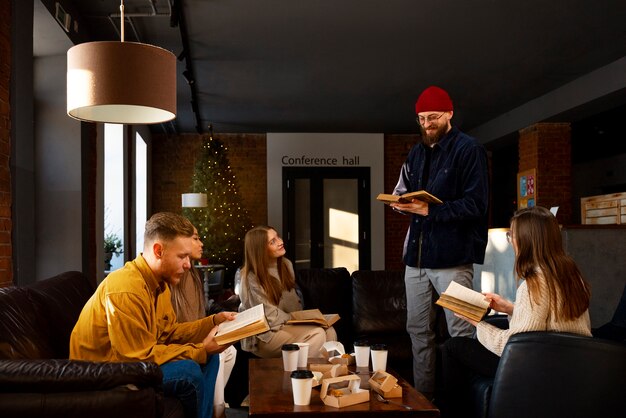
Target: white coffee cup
(303, 354)
(290, 357)
(379, 357)
(301, 384)
(362, 353)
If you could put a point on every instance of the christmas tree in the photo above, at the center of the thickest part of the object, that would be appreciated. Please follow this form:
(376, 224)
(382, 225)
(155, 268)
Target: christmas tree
(223, 223)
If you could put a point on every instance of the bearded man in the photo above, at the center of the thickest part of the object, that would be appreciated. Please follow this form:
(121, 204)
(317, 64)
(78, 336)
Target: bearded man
(443, 240)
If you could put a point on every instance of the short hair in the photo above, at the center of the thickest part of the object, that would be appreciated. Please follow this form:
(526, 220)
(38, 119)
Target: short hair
(166, 226)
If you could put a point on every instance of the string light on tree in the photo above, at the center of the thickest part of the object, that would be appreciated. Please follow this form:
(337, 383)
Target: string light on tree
(221, 234)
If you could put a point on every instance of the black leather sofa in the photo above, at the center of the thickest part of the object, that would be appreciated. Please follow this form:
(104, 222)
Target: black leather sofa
(38, 380)
(372, 307)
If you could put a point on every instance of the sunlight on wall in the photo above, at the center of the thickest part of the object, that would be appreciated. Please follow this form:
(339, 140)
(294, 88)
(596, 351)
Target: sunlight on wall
(344, 232)
(343, 225)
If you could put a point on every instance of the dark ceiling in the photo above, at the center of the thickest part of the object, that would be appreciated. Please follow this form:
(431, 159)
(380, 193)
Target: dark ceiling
(359, 65)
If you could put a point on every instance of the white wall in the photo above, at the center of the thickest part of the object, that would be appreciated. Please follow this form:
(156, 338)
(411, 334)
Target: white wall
(368, 148)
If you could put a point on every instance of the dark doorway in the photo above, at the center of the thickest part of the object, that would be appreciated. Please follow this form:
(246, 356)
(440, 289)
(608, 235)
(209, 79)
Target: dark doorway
(326, 217)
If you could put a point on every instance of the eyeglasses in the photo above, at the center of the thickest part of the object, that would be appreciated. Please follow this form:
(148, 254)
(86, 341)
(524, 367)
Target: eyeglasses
(430, 118)
(508, 237)
(276, 241)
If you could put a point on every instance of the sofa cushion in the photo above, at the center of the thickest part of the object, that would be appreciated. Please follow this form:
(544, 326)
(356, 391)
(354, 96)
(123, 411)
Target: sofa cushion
(379, 315)
(61, 299)
(24, 332)
(379, 302)
(36, 320)
(330, 291)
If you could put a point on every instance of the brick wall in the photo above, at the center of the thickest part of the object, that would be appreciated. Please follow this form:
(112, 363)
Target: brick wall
(547, 148)
(6, 265)
(397, 148)
(173, 161)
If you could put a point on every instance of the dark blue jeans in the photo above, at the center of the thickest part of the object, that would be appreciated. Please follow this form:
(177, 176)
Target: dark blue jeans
(193, 384)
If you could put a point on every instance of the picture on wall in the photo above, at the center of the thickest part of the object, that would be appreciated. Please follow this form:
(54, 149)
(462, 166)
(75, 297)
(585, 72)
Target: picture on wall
(526, 189)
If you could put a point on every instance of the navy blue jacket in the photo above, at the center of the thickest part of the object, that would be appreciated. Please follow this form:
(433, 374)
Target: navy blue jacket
(454, 233)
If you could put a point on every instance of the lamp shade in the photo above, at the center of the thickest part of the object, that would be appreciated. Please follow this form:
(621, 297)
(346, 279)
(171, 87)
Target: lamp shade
(121, 82)
(194, 200)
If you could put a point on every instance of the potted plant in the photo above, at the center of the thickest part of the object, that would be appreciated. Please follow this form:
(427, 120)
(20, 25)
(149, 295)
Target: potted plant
(112, 245)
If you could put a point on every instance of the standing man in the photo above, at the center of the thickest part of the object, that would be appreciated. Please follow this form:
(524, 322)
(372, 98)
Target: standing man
(443, 240)
(130, 318)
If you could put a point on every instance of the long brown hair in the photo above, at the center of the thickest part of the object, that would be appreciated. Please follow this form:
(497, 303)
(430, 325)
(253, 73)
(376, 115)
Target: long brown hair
(540, 249)
(257, 261)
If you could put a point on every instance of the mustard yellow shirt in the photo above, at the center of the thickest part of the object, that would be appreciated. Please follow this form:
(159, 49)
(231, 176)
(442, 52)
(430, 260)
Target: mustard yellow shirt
(130, 318)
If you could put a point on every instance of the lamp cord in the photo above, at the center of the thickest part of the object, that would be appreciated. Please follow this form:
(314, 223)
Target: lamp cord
(122, 19)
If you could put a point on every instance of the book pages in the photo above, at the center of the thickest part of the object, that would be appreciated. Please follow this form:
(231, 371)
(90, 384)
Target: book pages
(247, 317)
(471, 296)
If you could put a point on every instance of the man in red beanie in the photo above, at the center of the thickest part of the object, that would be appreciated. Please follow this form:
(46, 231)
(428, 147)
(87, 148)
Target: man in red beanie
(443, 240)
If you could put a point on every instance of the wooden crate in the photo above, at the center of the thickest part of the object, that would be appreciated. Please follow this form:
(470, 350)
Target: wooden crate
(603, 209)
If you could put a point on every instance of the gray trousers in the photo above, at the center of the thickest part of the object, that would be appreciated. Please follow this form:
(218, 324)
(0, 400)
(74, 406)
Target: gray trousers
(420, 320)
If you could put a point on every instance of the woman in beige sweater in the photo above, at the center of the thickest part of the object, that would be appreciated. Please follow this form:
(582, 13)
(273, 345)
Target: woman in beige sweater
(553, 296)
(267, 277)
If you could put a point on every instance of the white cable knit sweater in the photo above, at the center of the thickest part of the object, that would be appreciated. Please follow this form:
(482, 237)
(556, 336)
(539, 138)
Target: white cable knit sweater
(529, 316)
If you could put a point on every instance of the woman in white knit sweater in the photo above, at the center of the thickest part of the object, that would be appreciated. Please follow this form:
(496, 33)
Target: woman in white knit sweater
(552, 296)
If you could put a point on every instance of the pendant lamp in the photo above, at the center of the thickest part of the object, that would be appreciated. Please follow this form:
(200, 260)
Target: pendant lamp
(121, 82)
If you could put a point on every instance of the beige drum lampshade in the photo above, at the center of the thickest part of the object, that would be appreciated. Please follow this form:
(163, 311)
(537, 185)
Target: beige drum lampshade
(121, 82)
(194, 200)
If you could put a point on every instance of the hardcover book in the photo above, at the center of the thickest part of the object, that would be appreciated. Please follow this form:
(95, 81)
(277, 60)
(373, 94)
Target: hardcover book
(313, 317)
(422, 195)
(464, 301)
(246, 324)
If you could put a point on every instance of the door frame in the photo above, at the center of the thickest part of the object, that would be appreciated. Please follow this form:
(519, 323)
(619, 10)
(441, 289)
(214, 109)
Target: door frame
(317, 176)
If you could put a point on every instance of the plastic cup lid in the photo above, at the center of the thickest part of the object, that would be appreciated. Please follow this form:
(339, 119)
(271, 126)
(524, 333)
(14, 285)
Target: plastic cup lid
(378, 347)
(362, 343)
(302, 374)
(290, 347)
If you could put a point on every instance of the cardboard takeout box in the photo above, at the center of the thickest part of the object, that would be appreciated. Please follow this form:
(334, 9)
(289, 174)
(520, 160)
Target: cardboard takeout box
(329, 370)
(334, 352)
(385, 384)
(343, 391)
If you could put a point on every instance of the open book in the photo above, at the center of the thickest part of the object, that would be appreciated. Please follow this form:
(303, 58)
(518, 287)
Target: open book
(422, 195)
(464, 301)
(313, 317)
(247, 323)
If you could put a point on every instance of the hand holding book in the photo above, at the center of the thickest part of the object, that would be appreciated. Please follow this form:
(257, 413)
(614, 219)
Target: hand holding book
(499, 304)
(464, 301)
(247, 323)
(422, 195)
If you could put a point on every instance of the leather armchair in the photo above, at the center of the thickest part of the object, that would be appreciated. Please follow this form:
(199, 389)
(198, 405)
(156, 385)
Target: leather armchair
(545, 374)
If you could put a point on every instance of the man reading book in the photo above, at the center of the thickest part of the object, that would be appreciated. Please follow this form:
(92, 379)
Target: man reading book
(443, 240)
(130, 318)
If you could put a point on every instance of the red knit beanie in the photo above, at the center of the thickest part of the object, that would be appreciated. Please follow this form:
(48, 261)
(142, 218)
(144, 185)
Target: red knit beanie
(433, 99)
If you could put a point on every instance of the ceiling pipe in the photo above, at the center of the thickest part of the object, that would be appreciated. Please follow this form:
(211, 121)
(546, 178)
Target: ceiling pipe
(178, 17)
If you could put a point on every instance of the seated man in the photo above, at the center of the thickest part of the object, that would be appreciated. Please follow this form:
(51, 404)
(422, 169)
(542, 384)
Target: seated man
(130, 318)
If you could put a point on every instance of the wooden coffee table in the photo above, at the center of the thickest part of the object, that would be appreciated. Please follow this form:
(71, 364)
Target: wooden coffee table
(271, 396)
